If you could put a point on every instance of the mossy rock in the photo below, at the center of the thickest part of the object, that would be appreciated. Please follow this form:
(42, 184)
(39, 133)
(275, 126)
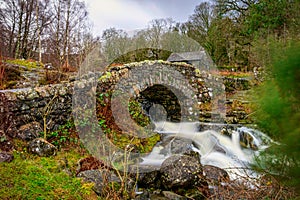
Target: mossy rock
(29, 64)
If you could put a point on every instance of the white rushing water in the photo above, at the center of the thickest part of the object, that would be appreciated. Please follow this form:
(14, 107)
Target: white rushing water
(214, 148)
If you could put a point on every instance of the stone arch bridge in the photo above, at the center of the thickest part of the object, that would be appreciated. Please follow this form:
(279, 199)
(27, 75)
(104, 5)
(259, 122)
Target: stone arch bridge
(178, 87)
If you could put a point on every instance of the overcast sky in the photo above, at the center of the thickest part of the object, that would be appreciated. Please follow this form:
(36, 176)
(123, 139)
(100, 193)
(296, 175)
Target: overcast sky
(131, 15)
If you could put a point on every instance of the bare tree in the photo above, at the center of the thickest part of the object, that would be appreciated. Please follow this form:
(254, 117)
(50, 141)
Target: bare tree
(20, 22)
(69, 17)
(86, 44)
(25, 28)
(38, 32)
(200, 22)
(156, 29)
(55, 31)
(115, 43)
(9, 21)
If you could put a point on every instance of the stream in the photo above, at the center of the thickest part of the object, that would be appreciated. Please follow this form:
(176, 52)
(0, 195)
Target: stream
(214, 148)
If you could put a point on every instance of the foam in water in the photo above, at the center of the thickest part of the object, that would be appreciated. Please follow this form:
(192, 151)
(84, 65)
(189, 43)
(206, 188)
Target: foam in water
(214, 149)
(155, 158)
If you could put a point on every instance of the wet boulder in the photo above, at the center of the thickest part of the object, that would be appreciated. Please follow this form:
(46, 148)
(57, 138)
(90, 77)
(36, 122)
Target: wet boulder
(175, 145)
(247, 140)
(41, 147)
(180, 145)
(181, 171)
(215, 175)
(147, 176)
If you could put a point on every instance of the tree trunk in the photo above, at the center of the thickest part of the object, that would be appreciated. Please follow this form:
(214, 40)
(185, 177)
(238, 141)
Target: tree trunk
(38, 32)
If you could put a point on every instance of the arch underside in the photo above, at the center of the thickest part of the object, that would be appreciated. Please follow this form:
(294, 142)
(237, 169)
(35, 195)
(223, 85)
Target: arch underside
(170, 108)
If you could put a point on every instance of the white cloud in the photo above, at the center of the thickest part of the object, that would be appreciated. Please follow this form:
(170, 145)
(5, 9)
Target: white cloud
(135, 14)
(121, 14)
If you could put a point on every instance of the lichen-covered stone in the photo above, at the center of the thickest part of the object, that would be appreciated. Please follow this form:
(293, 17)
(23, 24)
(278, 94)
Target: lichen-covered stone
(28, 104)
(99, 178)
(41, 147)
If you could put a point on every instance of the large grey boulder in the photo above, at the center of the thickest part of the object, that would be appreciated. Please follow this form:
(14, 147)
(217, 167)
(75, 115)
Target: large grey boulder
(175, 145)
(181, 171)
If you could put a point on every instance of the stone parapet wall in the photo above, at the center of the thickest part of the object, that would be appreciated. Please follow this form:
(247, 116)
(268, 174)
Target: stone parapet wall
(51, 102)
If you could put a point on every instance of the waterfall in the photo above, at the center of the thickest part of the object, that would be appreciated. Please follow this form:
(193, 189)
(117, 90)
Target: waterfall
(214, 148)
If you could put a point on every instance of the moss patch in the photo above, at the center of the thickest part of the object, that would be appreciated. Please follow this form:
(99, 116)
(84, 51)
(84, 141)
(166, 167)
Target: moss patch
(32, 177)
(119, 137)
(29, 64)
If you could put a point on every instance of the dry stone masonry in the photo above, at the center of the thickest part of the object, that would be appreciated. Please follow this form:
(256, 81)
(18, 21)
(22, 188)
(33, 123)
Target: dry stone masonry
(51, 102)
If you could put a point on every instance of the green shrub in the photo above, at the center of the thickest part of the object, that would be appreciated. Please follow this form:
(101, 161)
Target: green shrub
(66, 135)
(278, 114)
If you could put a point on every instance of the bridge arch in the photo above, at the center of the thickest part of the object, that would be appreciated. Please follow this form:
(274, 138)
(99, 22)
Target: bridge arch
(155, 82)
(161, 95)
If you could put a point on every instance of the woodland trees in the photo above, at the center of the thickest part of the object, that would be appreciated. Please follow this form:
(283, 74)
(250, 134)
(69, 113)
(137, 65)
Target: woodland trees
(54, 29)
(18, 26)
(116, 43)
(229, 30)
(161, 36)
